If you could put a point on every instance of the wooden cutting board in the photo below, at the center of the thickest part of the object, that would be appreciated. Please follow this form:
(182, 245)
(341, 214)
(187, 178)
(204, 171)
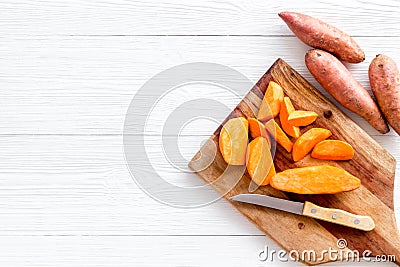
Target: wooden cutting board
(371, 163)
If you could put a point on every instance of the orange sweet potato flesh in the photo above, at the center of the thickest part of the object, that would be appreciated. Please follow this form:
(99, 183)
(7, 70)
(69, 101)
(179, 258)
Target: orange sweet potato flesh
(315, 180)
(319, 34)
(259, 161)
(302, 117)
(271, 103)
(306, 142)
(279, 135)
(233, 141)
(257, 129)
(286, 109)
(337, 80)
(333, 150)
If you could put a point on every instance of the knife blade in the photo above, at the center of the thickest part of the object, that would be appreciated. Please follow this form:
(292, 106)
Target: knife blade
(337, 216)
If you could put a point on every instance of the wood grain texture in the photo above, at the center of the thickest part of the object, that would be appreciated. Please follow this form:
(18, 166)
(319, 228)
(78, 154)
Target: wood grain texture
(337, 216)
(49, 184)
(68, 72)
(83, 85)
(111, 251)
(179, 17)
(372, 164)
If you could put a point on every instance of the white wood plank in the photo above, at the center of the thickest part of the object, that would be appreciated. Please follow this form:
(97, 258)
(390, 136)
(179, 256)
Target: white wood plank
(102, 251)
(67, 77)
(80, 185)
(83, 85)
(179, 17)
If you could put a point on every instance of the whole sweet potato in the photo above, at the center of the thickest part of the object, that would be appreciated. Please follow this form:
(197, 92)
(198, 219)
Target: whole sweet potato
(384, 78)
(319, 34)
(338, 81)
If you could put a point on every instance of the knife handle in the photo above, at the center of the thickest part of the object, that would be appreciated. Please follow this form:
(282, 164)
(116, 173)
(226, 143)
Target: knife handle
(338, 216)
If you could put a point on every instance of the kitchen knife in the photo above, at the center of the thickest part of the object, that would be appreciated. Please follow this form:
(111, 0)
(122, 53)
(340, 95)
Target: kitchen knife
(309, 209)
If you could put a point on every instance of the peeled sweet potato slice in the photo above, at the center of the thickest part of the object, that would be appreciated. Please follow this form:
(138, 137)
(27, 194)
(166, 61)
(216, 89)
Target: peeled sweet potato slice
(257, 129)
(306, 142)
(333, 150)
(286, 109)
(259, 161)
(279, 135)
(233, 141)
(271, 103)
(302, 117)
(315, 180)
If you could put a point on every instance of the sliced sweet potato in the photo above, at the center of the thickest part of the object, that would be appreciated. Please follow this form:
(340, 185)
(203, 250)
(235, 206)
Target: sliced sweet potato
(315, 180)
(259, 161)
(286, 109)
(271, 103)
(302, 117)
(279, 135)
(333, 150)
(233, 141)
(257, 129)
(307, 141)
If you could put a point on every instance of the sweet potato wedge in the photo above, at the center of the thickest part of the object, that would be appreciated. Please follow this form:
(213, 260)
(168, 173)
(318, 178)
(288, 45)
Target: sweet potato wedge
(338, 81)
(384, 77)
(286, 109)
(333, 150)
(257, 129)
(279, 135)
(315, 180)
(306, 142)
(259, 161)
(271, 103)
(319, 34)
(233, 140)
(302, 117)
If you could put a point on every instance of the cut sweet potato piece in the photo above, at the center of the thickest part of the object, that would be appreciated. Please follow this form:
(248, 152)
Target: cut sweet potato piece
(259, 161)
(315, 180)
(271, 103)
(286, 109)
(279, 135)
(307, 141)
(257, 129)
(233, 141)
(333, 150)
(302, 117)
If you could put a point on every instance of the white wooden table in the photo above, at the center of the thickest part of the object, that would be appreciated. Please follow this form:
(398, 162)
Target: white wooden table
(68, 71)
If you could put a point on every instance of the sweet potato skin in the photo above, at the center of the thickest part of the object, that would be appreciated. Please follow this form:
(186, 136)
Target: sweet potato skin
(315, 180)
(338, 81)
(319, 34)
(384, 78)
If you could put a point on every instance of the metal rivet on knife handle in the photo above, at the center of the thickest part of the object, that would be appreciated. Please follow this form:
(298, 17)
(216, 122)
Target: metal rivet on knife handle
(338, 216)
